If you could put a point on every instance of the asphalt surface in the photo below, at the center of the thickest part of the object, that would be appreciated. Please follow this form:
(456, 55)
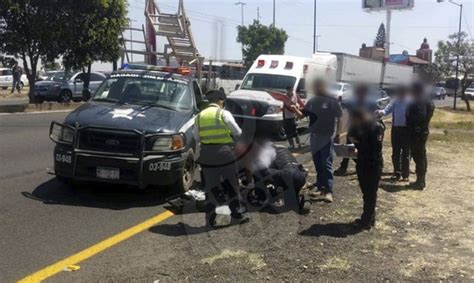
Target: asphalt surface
(43, 221)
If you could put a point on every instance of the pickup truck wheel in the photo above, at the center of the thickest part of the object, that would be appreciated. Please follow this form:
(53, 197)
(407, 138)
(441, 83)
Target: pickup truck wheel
(65, 96)
(186, 182)
(4, 87)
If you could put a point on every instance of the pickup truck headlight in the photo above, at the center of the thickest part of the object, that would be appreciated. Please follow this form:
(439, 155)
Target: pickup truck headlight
(61, 133)
(168, 143)
(274, 109)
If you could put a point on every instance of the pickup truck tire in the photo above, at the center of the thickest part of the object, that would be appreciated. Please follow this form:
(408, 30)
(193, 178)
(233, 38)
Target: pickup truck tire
(186, 182)
(4, 87)
(65, 96)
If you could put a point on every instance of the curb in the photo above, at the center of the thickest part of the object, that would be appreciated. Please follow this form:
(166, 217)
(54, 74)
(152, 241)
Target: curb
(43, 107)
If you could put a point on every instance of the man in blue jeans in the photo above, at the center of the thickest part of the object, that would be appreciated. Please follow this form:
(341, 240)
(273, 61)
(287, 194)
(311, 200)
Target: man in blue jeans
(324, 113)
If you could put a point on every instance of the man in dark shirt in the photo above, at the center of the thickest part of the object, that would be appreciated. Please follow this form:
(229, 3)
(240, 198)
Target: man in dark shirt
(324, 112)
(17, 73)
(418, 118)
(367, 135)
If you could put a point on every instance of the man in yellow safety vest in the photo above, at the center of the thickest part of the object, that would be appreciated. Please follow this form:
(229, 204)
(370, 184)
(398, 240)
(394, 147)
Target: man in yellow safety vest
(215, 130)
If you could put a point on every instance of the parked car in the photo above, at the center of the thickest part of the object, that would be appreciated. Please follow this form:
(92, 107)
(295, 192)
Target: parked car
(438, 93)
(64, 87)
(6, 79)
(137, 130)
(470, 92)
(343, 91)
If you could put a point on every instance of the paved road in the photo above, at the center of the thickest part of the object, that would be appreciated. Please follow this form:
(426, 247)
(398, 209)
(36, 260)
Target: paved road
(43, 221)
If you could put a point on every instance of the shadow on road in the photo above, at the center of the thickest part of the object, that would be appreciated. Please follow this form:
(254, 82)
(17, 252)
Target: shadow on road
(99, 196)
(337, 230)
(393, 187)
(178, 229)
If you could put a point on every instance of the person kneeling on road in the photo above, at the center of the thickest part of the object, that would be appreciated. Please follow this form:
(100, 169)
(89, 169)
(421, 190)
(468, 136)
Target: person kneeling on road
(215, 130)
(367, 135)
(273, 168)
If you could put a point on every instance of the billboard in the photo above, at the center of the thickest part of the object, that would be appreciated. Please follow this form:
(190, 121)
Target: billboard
(387, 4)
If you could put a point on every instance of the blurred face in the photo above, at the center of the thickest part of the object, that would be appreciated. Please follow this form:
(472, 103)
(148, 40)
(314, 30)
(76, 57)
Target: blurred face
(319, 87)
(362, 92)
(402, 93)
(289, 92)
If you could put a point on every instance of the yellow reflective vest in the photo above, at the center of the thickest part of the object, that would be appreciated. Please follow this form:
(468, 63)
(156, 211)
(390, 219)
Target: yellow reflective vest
(212, 127)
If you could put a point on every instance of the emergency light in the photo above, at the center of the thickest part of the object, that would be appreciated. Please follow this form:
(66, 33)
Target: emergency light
(260, 63)
(174, 70)
(274, 64)
(289, 66)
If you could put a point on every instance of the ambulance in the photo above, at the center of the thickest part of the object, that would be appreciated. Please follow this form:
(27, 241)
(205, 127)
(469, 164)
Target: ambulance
(257, 104)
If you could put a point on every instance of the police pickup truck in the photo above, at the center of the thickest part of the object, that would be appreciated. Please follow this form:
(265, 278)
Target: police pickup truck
(137, 129)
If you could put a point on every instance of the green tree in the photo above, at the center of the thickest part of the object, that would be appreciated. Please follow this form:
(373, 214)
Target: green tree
(381, 37)
(96, 34)
(30, 30)
(446, 58)
(259, 39)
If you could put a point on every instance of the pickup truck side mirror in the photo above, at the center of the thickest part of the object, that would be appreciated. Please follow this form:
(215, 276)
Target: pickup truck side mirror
(86, 95)
(237, 86)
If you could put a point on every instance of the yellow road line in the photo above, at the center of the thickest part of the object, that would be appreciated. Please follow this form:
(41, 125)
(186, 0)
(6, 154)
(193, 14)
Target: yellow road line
(95, 249)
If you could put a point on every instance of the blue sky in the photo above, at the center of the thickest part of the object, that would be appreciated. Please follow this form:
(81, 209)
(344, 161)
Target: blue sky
(342, 25)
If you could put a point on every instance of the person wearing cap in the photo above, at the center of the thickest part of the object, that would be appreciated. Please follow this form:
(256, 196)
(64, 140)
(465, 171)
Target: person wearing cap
(399, 135)
(215, 131)
(418, 118)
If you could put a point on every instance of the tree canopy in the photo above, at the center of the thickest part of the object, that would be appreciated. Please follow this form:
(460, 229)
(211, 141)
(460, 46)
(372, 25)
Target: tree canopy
(78, 31)
(259, 39)
(381, 37)
(446, 58)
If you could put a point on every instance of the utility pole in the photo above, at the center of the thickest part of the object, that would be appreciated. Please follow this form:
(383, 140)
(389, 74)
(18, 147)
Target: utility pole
(274, 13)
(242, 4)
(387, 34)
(458, 49)
(315, 48)
(258, 14)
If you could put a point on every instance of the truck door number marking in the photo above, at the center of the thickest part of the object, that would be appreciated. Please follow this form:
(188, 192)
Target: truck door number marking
(160, 166)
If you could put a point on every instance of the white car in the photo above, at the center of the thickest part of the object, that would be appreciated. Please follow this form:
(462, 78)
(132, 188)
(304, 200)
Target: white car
(470, 92)
(6, 79)
(343, 91)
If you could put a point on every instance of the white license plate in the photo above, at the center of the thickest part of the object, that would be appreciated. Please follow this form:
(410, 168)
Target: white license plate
(108, 173)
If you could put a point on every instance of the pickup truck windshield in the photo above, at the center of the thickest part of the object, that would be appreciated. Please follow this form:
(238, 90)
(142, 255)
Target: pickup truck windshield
(165, 93)
(268, 81)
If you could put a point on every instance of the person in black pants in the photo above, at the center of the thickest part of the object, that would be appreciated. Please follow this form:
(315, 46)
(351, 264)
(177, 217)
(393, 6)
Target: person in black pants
(360, 101)
(400, 138)
(418, 117)
(367, 134)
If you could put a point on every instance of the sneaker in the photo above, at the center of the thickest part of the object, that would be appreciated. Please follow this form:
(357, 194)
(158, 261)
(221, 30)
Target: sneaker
(327, 197)
(405, 179)
(222, 220)
(340, 172)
